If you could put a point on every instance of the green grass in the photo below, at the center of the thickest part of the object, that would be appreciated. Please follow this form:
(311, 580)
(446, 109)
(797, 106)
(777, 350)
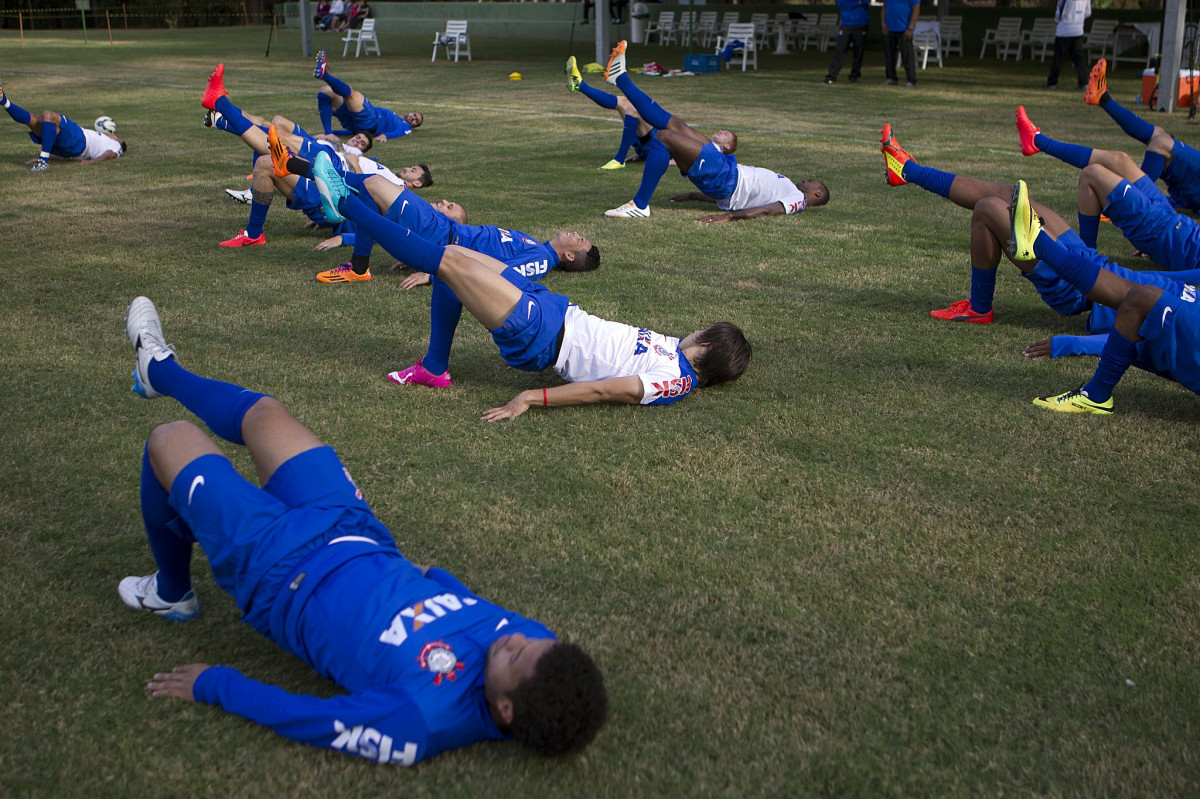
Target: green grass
(870, 567)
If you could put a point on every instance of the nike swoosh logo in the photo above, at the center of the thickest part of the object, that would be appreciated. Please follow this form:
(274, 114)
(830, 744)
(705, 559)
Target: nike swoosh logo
(196, 483)
(503, 623)
(701, 164)
(1166, 311)
(529, 310)
(403, 205)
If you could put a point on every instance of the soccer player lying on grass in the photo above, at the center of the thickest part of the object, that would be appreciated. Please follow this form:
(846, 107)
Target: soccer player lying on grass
(1176, 163)
(1112, 184)
(427, 665)
(536, 329)
(990, 229)
(301, 195)
(635, 133)
(61, 138)
(354, 110)
(1157, 328)
(743, 192)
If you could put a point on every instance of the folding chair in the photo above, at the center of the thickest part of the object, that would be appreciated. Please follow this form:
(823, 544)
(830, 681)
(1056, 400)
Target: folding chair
(455, 34)
(363, 38)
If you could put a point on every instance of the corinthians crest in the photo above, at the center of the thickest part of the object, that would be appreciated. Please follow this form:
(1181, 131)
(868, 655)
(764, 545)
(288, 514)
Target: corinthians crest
(439, 658)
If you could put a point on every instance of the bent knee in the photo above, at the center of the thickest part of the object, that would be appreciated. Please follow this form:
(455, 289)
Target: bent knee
(1140, 299)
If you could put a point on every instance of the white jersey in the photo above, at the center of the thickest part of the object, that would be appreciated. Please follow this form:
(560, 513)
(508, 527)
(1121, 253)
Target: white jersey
(97, 144)
(757, 187)
(369, 166)
(596, 349)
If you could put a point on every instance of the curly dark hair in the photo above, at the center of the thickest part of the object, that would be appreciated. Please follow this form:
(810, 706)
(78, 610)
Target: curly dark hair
(728, 354)
(585, 261)
(426, 176)
(563, 705)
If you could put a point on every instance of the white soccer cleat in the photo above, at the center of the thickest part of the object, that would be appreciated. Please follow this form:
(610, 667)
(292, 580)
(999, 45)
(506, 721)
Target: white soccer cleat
(616, 64)
(144, 329)
(629, 211)
(244, 196)
(141, 593)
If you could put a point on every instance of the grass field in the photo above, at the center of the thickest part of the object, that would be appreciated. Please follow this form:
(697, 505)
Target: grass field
(868, 568)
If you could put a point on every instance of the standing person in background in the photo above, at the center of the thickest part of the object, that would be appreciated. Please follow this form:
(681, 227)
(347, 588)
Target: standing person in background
(899, 19)
(1068, 40)
(852, 33)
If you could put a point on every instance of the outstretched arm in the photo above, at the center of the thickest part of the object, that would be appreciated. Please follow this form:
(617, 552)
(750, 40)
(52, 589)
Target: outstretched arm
(108, 156)
(774, 209)
(690, 195)
(626, 390)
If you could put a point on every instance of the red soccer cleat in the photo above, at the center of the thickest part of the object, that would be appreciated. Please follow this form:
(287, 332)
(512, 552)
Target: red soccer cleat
(215, 89)
(1026, 130)
(961, 312)
(894, 156)
(242, 240)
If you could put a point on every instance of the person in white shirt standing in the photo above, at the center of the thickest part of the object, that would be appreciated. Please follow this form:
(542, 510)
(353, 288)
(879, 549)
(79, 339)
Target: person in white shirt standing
(1068, 40)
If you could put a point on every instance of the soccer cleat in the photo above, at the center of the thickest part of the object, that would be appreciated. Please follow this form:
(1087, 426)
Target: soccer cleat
(574, 78)
(613, 164)
(40, 165)
(629, 211)
(1097, 83)
(141, 593)
(419, 375)
(616, 64)
(144, 329)
(330, 185)
(1025, 224)
(1075, 402)
(322, 65)
(243, 240)
(244, 196)
(894, 156)
(1026, 130)
(279, 153)
(212, 118)
(343, 274)
(961, 312)
(215, 89)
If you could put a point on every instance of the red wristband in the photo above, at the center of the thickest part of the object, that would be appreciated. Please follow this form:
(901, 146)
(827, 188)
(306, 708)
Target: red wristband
(545, 399)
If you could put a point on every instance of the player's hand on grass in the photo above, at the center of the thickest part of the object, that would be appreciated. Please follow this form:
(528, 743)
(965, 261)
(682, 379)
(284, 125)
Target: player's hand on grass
(678, 198)
(329, 243)
(517, 406)
(414, 280)
(381, 138)
(178, 683)
(1038, 349)
(712, 219)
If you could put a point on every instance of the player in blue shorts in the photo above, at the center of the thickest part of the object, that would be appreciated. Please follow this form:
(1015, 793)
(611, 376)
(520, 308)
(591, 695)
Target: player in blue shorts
(742, 192)
(635, 134)
(1156, 328)
(355, 112)
(536, 329)
(427, 665)
(60, 137)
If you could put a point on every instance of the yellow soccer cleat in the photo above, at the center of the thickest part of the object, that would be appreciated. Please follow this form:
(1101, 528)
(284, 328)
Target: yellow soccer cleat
(574, 78)
(1075, 402)
(1025, 224)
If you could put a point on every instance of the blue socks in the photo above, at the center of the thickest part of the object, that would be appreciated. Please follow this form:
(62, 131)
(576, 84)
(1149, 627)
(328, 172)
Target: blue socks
(1077, 267)
(1076, 155)
(258, 218)
(234, 118)
(325, 111)
(658, 161)
(340, 88)
(1153, 164)
(928, 178)
(15, 111)
(221, 406)
(647, 109)
(629, 137)
(1115, 359)
(444, 313)
(49, 134)
(1128, 121)
(983, 289)
(602, 99)
(172, 553)
(402, 243)
(1089, 229)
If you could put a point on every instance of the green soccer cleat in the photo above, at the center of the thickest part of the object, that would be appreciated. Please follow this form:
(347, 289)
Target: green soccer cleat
(574, 78)
(613, 164)
(1075, 402)
(1025, 224)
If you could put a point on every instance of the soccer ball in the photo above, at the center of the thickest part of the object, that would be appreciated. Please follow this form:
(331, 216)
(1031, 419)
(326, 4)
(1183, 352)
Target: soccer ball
(105, 125)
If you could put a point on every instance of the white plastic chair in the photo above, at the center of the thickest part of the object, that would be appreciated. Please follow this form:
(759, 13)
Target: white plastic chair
(1042, 35)
(455, 34)
(363, 38)
(1005, 38)
(952, 39)
(664, 26)
(743, 32)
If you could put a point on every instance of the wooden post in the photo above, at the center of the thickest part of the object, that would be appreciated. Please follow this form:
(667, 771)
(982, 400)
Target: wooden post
(108, 21)
(125, 16)
(21, 25)
(245, 14)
